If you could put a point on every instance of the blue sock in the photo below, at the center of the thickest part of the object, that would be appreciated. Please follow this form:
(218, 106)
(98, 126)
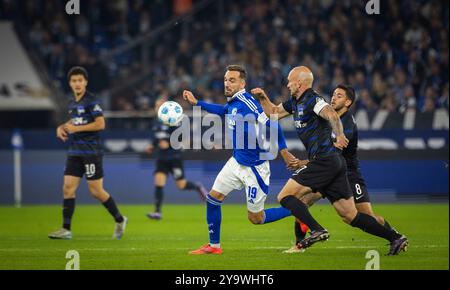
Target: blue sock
(214, 219)
(275, 214)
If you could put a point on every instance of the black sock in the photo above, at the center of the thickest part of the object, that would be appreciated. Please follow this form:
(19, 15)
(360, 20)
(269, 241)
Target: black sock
(300, 211)
(387, 225)
(159, 195)
(299, 234)
(370, 225)
(68, 210)
(190, 186)
(111, 206)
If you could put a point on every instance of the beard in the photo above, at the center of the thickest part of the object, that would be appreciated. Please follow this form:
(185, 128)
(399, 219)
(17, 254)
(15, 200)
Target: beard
(230, 93)
(337, 108)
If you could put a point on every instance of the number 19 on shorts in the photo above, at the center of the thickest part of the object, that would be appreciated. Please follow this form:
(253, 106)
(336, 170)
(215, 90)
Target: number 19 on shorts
(252, 192)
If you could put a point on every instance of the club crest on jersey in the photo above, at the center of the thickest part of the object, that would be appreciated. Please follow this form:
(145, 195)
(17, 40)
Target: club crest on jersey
(231, 119)
(300, 111)
(81, 110)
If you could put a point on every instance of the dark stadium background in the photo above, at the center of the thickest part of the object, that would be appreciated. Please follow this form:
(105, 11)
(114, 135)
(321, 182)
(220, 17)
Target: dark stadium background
(137, 51)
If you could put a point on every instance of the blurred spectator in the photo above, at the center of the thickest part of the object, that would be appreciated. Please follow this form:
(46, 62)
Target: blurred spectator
(389, 103)
(407, 99)
(427, 103)
(366, 102)
(443, 99)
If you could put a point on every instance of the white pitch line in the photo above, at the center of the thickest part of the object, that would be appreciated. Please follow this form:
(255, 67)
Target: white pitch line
(353, 247)
(186, 249)
(78, 249)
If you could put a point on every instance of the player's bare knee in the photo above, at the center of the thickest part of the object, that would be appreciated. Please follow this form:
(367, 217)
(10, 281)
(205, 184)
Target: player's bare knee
(69, 195)
(380, 220)
(281, 196)
(95, 191)
(348, 215)
(256, 218)
(365, 208)
(347, 219)
(69, 191)
(217, 195)
(181, 184)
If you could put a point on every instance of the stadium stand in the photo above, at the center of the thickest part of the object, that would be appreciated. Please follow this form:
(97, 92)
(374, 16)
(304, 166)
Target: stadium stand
(394, 67)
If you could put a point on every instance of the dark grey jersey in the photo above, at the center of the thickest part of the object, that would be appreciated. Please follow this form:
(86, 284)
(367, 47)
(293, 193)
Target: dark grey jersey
(82, 113)
(314, 131)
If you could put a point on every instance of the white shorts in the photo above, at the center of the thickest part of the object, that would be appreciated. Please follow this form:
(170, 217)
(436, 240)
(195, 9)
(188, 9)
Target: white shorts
(255, 180)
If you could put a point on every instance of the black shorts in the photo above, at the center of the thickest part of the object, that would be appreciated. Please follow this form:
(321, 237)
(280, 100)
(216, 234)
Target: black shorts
(174, 167)
(91, 166)
(359, 188)
(326, 175)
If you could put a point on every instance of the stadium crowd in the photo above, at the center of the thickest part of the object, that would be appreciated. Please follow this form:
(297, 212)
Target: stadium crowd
(396, 60)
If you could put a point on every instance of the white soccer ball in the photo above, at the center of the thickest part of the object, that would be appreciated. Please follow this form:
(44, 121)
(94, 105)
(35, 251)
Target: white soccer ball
(170, 113)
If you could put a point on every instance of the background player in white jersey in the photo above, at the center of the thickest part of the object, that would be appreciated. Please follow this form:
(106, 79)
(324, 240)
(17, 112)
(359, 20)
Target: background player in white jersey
(245, 170)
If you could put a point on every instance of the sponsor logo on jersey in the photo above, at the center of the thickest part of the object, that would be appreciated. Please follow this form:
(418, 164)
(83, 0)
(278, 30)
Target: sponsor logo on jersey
(79, 121)
(300, 125)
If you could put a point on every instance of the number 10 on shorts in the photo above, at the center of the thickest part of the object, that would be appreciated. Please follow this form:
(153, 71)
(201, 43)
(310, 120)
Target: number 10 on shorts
(90, 170)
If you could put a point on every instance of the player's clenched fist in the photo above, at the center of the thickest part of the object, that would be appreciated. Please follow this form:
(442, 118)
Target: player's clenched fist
(189, 96)
(61, 133)
(259, 93)
(341, 142)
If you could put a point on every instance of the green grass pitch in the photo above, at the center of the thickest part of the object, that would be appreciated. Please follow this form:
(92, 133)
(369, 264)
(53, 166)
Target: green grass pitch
(165, 244)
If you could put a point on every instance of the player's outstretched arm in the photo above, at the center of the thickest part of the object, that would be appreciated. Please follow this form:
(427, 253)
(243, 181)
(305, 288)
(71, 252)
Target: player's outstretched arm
(269, 107)
(210, 108)
(329, 114)
(98, 125)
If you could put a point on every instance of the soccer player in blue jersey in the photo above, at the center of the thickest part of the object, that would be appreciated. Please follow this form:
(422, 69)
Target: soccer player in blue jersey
(85, 156)
(320, 129)
(246, 169)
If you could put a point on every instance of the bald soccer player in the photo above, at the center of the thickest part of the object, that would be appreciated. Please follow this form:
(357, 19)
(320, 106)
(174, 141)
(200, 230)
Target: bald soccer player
(342, 100)
(320, 129)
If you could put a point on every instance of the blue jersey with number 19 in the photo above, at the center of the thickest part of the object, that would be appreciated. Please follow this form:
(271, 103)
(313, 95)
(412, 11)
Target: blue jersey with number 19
(240, 106)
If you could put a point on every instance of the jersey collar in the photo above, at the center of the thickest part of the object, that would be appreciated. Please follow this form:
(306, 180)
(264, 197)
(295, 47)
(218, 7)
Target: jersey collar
(306, 93)
(81, 99)
(235, 95)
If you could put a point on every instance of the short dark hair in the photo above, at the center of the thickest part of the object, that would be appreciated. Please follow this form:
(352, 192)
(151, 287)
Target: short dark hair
(76, 71)
(240, 69)
(349, 92)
